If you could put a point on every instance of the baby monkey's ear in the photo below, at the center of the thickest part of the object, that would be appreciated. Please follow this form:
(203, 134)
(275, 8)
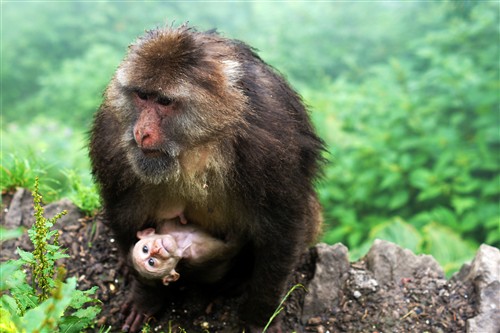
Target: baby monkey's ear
(171, 277)
(144, 233)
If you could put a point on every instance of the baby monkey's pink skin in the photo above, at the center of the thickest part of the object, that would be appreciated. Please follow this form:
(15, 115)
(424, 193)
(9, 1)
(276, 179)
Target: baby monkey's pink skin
(155, 256)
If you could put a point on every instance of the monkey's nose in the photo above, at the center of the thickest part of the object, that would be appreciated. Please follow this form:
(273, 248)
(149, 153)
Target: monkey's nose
(147, 136)
(157, 246)
(143, 138)
(147, 143)
(155, 250)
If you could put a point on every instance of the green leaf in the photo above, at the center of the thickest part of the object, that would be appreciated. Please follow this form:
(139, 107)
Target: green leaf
(45, 316)
(336, 234)
(492, 187)
(493, 226)
(23, 292)
(8, 269)
(79, 320)
(26, 256)
(420, 178)
(461, 204)
(6, 323)
(354, 238)
(390, 179)
(447, 247)
(8, 303)
(444, 216)
(6, 234)
(429, 193)
(399, 232)
(399, 200)
(82, 297)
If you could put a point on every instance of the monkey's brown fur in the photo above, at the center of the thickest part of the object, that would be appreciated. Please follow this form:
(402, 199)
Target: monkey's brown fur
(197, 123)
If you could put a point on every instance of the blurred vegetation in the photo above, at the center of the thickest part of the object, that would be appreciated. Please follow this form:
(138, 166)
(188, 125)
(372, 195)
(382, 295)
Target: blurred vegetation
(43, 300)
(406, 95)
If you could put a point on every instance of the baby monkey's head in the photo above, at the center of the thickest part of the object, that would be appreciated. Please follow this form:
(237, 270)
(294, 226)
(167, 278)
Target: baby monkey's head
(155, 256)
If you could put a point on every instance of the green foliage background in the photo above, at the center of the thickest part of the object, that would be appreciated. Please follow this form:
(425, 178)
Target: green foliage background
(406, 95)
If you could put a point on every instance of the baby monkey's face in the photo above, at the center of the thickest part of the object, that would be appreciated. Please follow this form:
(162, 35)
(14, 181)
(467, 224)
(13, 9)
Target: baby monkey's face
(155, 256)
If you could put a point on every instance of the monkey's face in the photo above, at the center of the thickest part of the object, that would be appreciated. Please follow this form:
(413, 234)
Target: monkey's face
(154, 256)
(175, 94)
(153, 144)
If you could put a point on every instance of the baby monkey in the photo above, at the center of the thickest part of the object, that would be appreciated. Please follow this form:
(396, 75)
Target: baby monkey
(156, 255)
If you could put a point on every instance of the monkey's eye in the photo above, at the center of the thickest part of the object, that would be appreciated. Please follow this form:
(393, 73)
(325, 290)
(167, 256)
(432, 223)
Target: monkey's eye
(151, 262)
(142, 95)
(145, 249)
(165, 101)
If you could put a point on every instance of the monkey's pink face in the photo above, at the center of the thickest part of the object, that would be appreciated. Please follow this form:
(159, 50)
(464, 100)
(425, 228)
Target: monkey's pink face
(148, 132)
(153, 136)
(155, 255)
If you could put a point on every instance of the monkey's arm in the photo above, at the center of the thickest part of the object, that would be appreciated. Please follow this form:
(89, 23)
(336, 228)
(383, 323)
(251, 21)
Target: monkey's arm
(205, 248)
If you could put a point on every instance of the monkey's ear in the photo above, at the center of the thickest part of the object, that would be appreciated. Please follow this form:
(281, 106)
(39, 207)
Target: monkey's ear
(171, 277)
(146, 232)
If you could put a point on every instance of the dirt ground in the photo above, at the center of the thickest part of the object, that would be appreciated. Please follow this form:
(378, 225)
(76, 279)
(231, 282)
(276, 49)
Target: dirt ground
(422, 303)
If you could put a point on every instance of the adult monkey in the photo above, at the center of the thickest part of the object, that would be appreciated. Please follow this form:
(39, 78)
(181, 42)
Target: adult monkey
(197, 127)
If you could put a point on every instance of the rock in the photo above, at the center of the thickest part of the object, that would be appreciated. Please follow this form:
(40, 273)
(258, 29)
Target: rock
(331, 271)
(21, 214)
(361, 282)
(391, 263)
(20, 211)
(484, 273)
(73, 212)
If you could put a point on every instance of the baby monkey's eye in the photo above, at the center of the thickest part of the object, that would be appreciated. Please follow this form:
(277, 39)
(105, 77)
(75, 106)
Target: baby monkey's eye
(151, 262)
(145, 249)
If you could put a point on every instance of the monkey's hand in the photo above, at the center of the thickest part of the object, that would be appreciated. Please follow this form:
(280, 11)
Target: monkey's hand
(135, 318)
(144, 302)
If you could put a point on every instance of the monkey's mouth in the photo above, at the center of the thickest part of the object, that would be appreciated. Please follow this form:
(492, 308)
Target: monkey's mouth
(169, 244)
(152, 152)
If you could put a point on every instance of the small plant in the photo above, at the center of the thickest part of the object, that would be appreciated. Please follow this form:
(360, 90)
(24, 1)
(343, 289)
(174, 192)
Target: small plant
(84, 196)
(43, 303)
(280, 306)
(21, 172)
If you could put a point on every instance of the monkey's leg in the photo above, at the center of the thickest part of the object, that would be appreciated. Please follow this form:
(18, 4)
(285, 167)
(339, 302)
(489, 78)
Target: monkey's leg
(275, 258)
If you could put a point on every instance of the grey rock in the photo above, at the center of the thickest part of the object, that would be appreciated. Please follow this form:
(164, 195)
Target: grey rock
(361, 282)
(20, 211)
(331, 272)
(484, 273)
(72, 211)
(391, 263)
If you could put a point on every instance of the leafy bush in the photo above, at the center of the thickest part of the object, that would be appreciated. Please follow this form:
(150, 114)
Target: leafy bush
(418, 139)
(21, 172)
(85, 196)
(44, 147)
(45, 303)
